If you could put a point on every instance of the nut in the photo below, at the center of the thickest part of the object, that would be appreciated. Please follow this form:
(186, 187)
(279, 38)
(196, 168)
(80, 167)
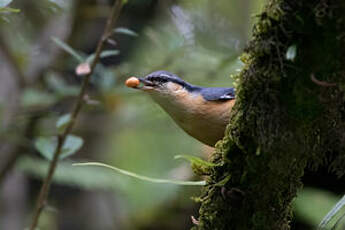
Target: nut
(132, 82)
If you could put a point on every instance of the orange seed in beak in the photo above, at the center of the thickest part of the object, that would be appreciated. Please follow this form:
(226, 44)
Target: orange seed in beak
(132, 82)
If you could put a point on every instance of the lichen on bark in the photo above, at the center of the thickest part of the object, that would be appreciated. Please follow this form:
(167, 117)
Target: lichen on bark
(289, 115)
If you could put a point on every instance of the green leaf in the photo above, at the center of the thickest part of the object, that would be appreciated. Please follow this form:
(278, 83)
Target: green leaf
(62, 122)
(195, 160)
(122, 30)
(71, 146)
(124, 2)
(199, 166)
(9, 10)
(4, 3)
(68, 49)
(104, 54)
(291, 53)
(46, 146)
(141, 177)
(35, 97)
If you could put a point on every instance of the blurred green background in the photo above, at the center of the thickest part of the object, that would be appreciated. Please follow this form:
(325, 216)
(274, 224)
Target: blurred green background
(200, 40)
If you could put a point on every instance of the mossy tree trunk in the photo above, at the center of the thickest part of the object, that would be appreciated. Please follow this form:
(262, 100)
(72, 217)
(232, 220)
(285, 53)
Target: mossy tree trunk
(289, 115)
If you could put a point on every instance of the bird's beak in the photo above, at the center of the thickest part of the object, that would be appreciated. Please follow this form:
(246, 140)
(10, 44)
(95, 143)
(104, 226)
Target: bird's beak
(147, 85)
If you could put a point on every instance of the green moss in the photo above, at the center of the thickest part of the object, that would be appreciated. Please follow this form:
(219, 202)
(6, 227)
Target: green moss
(282, 120)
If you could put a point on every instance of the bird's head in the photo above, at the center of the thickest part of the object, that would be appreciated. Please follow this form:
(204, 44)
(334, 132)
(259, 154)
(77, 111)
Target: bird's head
(164, 87)
(164, 84)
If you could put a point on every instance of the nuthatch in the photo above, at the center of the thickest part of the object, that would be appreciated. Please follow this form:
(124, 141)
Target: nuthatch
(202, 112)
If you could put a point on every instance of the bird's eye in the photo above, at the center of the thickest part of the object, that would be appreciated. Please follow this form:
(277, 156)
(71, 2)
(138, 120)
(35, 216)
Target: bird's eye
(158, 79)
(162, 80)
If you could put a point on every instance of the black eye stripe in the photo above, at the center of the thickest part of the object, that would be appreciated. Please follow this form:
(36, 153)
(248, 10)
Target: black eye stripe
(165, 76)
(157, 78)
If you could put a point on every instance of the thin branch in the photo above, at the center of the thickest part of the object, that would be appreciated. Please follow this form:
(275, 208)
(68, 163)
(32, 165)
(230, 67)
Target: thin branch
(114, 14)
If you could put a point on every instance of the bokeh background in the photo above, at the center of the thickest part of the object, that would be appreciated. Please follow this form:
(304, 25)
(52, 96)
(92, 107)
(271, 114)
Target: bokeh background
(200, 40)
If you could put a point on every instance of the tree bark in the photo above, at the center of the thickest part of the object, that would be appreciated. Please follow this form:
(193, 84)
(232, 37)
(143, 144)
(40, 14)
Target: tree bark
(289, 115)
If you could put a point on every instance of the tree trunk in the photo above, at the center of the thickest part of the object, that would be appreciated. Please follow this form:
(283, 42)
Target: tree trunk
(289, 115)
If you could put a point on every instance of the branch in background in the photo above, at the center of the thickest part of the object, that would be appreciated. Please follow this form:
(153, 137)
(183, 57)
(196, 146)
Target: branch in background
(18, 151)
(19, 76)
(114, 14)
(13, 153)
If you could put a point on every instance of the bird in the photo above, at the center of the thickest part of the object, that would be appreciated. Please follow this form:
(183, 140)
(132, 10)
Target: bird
(202, 112)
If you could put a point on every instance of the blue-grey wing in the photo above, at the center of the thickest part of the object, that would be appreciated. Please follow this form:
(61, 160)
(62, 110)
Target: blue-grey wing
(214, 94)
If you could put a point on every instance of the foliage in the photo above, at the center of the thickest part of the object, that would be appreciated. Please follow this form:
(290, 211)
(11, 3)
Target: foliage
(47, 146)
(62, 122)
(199, 166)
(35, 97)
(126, 31)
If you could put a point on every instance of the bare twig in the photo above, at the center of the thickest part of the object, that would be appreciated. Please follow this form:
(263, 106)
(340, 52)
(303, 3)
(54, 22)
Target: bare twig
(321, 83)
(114, 14)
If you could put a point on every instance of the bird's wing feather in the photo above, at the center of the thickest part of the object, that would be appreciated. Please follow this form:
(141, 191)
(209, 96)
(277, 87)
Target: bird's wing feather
(215, 94)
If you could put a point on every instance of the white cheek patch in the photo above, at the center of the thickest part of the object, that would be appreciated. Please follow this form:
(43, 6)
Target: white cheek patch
(173, 86)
